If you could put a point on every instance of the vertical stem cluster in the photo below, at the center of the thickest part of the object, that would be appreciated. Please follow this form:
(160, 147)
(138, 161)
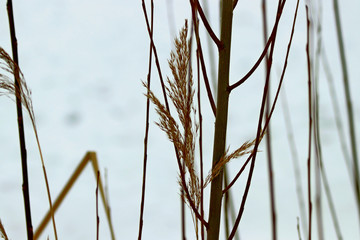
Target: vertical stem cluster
(221, 118)
(348, 105)
(25, 185)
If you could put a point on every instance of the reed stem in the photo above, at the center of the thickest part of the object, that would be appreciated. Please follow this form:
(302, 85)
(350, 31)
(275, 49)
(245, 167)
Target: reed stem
(221, 118)
(25, 185)
(142, 204)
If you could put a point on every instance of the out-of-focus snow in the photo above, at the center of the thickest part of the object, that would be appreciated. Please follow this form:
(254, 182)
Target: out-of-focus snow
(84, 62)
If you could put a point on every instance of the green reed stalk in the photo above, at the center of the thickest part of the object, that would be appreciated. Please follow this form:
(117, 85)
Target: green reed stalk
(221, 118)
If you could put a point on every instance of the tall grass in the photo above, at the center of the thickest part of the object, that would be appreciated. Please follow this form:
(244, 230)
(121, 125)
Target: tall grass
(221, 156)
(180, 116)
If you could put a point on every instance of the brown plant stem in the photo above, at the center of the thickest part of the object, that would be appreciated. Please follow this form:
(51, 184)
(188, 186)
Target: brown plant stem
(97, 206)
(200, 149)
(155, 53)
(237, 221)
(221, 119)
(142, 204)
(264, 52)
(310, 121)
(228, 208)
(25, 185)
(275, 100)
(210, 52)
(257, 141)
(203, 67)
(213, 36)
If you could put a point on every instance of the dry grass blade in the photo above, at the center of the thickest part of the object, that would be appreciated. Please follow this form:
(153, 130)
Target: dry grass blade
(2, 232)
(7, 88)
(241, 151)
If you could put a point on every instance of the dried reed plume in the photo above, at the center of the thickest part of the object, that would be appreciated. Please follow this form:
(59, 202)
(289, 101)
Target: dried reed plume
(242, 150)
(180, 91)
(7, 88)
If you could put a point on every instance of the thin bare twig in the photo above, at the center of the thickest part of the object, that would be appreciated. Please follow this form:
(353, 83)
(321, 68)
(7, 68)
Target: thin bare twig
(295, 159)
(142, 205)
(264, 52)
(213, 36)
(200, 148)
(203, 67)
(310, 121)
(97, 206)
(266, 124)
(276, 97)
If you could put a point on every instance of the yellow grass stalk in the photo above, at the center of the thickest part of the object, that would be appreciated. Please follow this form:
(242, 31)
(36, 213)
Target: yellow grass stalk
(89, 157)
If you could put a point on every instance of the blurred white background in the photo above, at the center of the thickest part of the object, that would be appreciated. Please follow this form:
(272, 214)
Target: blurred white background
(84, 62)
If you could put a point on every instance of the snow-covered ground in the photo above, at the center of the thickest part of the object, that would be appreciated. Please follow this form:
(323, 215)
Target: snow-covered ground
(84, 62)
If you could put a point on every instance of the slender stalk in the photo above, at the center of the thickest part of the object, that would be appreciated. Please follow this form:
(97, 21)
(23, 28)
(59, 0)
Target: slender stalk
(310, 120)
(319, 160)
(349, 107)
(276, 96)
(218, 43)
(203, 67)
(226, 206)
(270, 40)
(253, 155)
(317, 140)
(295, 158)
(142, 205)
(211, 58)
(268, 135)
(342, 142)
(337, 117)
(97, 206)
(221, 118)
(25, 185)
(200, 148)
